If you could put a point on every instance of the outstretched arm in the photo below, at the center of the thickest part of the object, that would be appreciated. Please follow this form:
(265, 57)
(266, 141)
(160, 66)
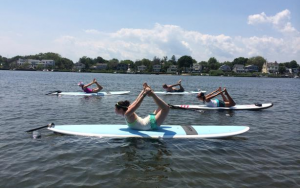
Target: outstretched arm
(136, 104)
(87, 85)
(208, 95)
(213, 95)
(173, 85)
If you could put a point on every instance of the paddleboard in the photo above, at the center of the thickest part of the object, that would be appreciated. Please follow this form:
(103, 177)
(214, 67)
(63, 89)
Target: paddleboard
(236, 107)
(164, 131)
(179, 93)
(91, 94)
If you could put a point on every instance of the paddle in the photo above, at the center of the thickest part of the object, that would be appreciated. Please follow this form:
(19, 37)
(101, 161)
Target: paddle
(58, 91)
(176, 107)
(49, 125)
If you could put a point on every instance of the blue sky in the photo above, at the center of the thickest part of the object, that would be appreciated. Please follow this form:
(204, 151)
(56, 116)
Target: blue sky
(136, 29)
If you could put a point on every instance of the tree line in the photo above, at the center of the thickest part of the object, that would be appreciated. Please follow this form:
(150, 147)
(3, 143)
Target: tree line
(184, 63)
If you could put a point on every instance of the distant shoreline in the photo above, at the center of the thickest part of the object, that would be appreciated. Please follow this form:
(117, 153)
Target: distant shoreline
(184, 74)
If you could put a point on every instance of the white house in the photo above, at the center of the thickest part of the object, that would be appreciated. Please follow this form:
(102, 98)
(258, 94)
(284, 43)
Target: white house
(34, 63)
(100, 66)
(172, 69)
(271, 67)
(156, 68)
(238, 68)
(142, 68)
(79, 66)
(197, 67)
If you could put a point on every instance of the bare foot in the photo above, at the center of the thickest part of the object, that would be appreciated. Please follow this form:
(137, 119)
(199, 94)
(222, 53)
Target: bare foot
(220, 89)
(94, 81)
(179, 82)
(145, 85)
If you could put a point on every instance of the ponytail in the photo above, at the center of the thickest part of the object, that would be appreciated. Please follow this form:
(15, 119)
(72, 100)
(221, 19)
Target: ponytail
(123, 104)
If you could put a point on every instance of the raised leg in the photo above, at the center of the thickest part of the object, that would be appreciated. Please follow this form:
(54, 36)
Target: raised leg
(230, 100)
(163, 108)
(99, 87)
(181, 88)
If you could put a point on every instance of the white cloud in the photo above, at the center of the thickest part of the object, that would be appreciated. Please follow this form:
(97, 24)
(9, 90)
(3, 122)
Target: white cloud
(168, 40)
(280, 21)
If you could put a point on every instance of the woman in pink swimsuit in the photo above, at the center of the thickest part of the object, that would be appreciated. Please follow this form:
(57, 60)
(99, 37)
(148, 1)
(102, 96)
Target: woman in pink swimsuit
(88, 90)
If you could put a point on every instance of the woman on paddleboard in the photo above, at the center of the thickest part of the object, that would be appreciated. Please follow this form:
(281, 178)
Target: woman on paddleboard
(88, 90)
(171, 88)
(226, 102)
(150, 122)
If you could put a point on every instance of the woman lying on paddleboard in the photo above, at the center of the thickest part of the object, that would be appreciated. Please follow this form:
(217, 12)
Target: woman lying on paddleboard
(88, 90)
(171, 88)
(226, 102)
(150, 122)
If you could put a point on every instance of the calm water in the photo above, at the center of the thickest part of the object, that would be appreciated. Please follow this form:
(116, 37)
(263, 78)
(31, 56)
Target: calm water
(268, 155)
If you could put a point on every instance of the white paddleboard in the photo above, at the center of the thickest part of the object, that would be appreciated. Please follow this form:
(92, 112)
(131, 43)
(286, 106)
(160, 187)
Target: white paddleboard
(164, 131)
(236, 107)
(91, 94)
(179, 93)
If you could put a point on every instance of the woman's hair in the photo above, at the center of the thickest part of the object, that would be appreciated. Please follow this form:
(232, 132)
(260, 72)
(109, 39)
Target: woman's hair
(201, 95)
(123, 104)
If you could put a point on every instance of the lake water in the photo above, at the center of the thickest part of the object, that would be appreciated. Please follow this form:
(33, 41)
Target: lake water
(268, 155)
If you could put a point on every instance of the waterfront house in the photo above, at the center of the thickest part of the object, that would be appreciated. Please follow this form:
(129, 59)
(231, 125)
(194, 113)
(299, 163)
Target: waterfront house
(225, 68)
(79, 66)
(122, 67)
(197, 68)
(292, 70)
(32, 63)
(238, 68)
(156, 68)
(142, 68)
(271, 67)
(251, 68)
(172, 69)
(100, 66)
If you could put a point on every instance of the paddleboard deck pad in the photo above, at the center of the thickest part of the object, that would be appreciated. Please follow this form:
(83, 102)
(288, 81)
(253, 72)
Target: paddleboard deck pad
(91, 94)
(164, 131)
(179, 93)
(236, 107)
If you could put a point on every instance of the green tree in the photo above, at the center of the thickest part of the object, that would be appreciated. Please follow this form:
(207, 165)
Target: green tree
(99, 59)
(213, 63)
(205, 67)
(129, 62)
(281, 69)
(240, 60)
(88, 62)
(66, 63)
(156, 60)
(148, 64)
(185, 63)
(173, 60)
(258, 61)
(112, 64)
(293, 64)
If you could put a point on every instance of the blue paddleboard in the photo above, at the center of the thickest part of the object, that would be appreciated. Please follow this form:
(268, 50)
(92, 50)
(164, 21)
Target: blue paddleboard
(164, 131)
